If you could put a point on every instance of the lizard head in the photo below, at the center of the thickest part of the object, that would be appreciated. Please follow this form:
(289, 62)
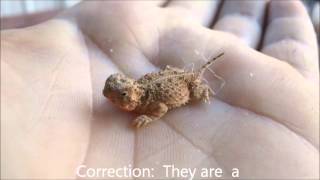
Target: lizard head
(123, 91)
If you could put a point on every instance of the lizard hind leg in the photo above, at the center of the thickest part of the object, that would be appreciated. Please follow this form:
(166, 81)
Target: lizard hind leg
(200, 92)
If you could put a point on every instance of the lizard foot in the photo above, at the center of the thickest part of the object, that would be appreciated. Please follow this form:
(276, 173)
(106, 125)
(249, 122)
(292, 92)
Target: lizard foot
(141, 121)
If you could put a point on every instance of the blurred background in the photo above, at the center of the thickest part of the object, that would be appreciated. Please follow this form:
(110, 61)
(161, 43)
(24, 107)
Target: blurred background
(22, 13)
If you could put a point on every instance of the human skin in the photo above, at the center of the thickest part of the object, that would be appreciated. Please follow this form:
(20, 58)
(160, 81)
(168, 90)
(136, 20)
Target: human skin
(265, 120)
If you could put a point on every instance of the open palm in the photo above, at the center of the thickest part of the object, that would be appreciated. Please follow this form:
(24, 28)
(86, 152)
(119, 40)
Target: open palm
(264, 121)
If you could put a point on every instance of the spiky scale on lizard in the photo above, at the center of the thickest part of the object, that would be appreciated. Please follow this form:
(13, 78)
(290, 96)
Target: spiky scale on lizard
(155, 93)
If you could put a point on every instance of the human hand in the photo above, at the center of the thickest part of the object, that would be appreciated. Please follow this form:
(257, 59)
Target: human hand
(263, 122)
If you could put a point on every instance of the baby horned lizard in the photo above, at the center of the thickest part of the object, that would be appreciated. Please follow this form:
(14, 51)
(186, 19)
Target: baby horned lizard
(154, 94)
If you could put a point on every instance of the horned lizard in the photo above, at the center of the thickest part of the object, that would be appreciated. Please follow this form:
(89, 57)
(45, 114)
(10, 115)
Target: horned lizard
(155, 93)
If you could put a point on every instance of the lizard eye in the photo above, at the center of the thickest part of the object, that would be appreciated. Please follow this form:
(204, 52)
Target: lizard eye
(124, 94)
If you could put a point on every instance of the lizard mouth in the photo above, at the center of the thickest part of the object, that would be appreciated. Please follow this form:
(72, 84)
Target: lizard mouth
(127, 107)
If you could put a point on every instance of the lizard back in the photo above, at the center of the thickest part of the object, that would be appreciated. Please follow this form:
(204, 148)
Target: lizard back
(169, 86)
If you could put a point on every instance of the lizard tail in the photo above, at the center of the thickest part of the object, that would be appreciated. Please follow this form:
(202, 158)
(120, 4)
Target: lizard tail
(205, 66)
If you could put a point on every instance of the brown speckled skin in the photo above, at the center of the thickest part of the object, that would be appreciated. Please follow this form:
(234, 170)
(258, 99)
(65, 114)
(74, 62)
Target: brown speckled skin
(170, 86)
(155, 93)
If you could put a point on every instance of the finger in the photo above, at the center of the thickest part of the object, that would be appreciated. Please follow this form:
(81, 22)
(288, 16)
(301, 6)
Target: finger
(253, 81)
(315, 17)
(142, 2)
(127, 44)
(290, 36)
(151, 3)
(243, 19)
(202, 11)
(46, 106)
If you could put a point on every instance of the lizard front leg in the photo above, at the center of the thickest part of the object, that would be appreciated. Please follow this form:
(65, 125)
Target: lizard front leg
(156, 111)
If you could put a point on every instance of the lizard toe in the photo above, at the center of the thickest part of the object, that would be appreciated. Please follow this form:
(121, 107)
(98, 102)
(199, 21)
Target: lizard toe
(141, 121)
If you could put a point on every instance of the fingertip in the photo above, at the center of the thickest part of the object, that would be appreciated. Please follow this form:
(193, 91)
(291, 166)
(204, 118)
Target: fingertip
(201, 11)
(290, 36)
(243, 19)
(281, 9)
